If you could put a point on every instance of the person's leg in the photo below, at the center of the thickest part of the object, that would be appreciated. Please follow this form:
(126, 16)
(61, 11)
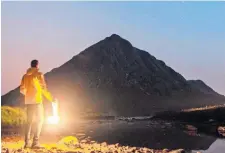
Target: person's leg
(28, 126)
(38, 124)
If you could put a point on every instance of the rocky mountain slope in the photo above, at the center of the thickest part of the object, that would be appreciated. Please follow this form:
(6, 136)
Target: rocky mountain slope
(200, 85)
(114, 77)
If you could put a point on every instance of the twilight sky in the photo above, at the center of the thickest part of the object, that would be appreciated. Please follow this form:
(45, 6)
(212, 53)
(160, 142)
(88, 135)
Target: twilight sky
(188, 36)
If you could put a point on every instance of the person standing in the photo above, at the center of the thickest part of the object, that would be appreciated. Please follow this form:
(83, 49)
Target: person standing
(33, 87)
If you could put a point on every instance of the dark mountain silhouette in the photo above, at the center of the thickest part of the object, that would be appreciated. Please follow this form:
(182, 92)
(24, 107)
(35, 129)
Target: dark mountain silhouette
(200, 85)
(114, 77)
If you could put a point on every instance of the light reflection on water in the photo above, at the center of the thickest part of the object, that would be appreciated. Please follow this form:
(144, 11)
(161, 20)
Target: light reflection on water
(151, 134)
(217, 147)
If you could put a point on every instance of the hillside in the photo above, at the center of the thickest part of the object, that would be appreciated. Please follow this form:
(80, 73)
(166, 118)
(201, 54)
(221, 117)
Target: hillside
(116, 78)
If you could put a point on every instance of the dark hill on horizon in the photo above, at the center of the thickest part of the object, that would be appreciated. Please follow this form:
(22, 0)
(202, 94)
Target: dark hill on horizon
(113, 77)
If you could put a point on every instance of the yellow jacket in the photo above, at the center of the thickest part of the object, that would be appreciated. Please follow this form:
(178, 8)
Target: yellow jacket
(33, 87)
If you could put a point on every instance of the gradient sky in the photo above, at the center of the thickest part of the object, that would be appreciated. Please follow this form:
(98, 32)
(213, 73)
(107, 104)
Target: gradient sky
(188, 36)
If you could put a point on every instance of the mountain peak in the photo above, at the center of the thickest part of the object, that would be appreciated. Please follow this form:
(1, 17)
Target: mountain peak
(115, 36)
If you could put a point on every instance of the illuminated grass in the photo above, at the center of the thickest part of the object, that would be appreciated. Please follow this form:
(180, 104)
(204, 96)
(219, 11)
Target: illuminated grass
(203, 108)
(12, 116)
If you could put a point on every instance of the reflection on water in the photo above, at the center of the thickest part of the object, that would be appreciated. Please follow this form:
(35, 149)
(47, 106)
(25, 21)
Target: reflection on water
(207, 129)
(221, 130)
(151, 134)
(217, 147)
(191, 130)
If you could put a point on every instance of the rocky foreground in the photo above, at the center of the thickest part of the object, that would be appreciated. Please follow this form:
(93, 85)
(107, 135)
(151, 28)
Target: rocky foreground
(71, 145)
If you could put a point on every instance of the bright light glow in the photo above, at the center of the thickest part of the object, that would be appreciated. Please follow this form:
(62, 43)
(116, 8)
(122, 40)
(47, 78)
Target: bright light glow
(55, 118)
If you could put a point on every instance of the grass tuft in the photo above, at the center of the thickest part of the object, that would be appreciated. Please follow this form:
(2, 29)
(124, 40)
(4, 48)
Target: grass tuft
(12, 116)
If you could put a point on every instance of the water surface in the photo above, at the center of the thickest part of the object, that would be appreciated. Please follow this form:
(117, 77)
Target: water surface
(151, 134)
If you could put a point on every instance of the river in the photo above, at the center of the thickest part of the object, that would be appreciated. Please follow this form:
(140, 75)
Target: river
(151, 134)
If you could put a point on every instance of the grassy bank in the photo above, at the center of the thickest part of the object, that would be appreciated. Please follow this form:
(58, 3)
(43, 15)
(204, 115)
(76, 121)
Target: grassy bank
(211, 114)
(12, 117)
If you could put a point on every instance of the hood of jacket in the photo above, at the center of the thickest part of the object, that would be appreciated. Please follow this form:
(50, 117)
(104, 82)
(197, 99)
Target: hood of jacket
(32, 70)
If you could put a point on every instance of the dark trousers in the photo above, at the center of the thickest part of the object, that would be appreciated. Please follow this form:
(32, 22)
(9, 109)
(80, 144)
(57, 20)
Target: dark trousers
(35, 118)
